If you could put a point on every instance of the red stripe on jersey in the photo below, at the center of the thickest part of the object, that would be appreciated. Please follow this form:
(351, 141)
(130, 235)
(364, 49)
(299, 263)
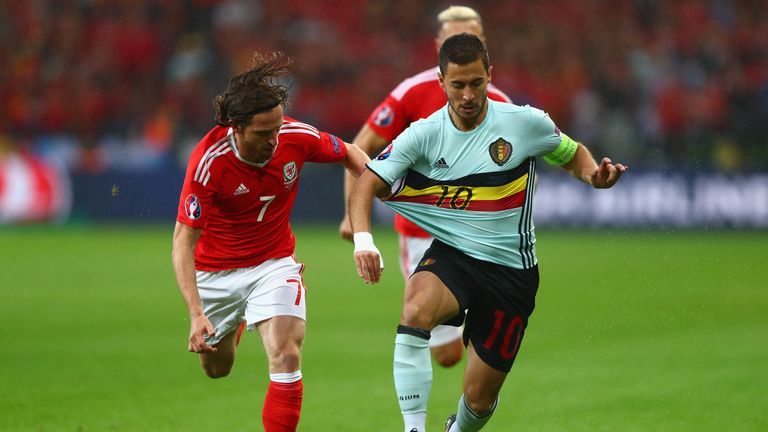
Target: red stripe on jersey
(507, 203)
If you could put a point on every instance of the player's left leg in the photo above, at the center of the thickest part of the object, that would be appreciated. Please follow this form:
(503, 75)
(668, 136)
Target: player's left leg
(282, 337)
(482, 384)
(495, 328)
(277, 308)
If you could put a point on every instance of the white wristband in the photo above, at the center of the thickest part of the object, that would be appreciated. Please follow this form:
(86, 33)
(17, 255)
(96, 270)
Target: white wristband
(364, 242)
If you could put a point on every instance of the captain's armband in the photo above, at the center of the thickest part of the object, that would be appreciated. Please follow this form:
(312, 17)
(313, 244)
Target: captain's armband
(564, 152)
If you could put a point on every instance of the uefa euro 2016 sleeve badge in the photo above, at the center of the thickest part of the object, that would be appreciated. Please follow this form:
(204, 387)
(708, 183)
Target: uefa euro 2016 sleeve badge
(500, 151)
(192, 207)
(383, 116)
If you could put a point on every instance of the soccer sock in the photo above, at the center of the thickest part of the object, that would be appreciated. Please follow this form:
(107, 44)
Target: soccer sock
(282, 405)
(412, 370)
(240, 329)
(467, 420)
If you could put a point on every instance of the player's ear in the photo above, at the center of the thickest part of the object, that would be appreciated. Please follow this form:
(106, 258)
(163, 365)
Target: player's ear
(490, 69)
(440, 80)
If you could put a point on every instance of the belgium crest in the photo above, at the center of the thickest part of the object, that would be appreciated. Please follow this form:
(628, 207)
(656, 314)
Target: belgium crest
(500, 151)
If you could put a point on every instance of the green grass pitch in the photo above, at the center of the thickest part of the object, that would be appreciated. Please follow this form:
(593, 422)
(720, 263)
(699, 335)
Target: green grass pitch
(633, 331)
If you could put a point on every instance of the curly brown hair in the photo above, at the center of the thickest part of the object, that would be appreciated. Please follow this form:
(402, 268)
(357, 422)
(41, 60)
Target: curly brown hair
(254, 91)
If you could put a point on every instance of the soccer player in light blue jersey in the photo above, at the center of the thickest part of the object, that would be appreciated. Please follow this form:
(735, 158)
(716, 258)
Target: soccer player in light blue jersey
(465, 175)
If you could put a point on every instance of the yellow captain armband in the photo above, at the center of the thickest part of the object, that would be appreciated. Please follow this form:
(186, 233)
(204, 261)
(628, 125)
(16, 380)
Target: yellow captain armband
(564, 152)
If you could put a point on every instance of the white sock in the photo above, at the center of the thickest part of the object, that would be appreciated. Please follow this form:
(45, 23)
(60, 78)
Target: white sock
(285, 378)
(412, 371)
(467, 420)
(416, 421)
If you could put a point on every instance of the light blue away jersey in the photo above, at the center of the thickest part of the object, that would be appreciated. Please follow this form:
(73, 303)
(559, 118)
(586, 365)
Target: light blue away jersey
(472, 190)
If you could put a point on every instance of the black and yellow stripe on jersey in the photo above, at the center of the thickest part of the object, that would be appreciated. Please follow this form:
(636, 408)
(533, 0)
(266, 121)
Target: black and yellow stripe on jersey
(492, 191)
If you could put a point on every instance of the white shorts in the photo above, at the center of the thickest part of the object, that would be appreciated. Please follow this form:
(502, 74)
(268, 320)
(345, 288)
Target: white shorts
(411, 251)
(253, 294)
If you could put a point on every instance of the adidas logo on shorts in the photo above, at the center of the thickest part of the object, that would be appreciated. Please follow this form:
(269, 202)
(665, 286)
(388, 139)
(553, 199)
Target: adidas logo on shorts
(440, 163)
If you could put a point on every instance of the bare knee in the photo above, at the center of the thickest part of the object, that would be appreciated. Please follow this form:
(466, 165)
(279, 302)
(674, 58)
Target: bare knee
(217, 370)
(417, 317)
(480, 402)
(286, 360)
(219, 363)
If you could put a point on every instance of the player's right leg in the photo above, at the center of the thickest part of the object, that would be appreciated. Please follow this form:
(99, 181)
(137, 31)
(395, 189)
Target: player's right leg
(427, 301)
(223, 297)
(218, 364)
(445, 342)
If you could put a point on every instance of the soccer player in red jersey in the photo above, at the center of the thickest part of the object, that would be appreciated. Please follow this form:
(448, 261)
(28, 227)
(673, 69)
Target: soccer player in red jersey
(233, 246)
(415, 98)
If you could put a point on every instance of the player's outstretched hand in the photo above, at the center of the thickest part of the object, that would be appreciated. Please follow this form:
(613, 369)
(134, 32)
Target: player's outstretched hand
(607, 174)
(368, 259)
(199, 328)
(345, 228)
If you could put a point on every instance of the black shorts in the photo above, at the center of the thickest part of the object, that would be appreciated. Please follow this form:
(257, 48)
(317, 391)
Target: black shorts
(498, 301)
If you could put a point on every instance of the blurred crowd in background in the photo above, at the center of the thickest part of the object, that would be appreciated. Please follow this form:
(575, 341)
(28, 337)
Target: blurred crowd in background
(128, 84)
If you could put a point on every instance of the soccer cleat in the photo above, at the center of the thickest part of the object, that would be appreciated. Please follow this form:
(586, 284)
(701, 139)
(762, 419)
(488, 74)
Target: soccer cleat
(449, 422)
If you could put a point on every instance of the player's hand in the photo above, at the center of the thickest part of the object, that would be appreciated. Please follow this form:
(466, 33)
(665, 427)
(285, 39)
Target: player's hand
(345, 228)
(368, 259)
(199, 328)
(607, 174)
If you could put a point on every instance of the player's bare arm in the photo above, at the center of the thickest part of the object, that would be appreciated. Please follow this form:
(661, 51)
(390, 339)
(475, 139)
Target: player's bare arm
(367, 257)
(371, 143)
(354, 162)
(184, 241)
(584, 168)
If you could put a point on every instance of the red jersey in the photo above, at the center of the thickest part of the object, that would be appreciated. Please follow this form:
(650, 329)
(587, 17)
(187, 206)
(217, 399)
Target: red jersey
(244, 208)
(415, 98)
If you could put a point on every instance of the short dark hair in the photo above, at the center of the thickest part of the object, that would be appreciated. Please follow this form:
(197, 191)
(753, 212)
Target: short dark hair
(463, 49)
(254, 91)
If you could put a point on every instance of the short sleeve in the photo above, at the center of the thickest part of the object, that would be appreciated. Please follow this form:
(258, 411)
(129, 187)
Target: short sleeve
(389, 119)
(197, 194)
(326, 148)
(544, 134)
(395, 160)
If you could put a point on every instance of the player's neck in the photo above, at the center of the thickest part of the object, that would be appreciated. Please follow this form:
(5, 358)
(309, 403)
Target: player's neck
(249, 155)
(468, 124)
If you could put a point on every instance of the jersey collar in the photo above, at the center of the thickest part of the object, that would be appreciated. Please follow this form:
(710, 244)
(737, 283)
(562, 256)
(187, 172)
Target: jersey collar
(233, 144)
